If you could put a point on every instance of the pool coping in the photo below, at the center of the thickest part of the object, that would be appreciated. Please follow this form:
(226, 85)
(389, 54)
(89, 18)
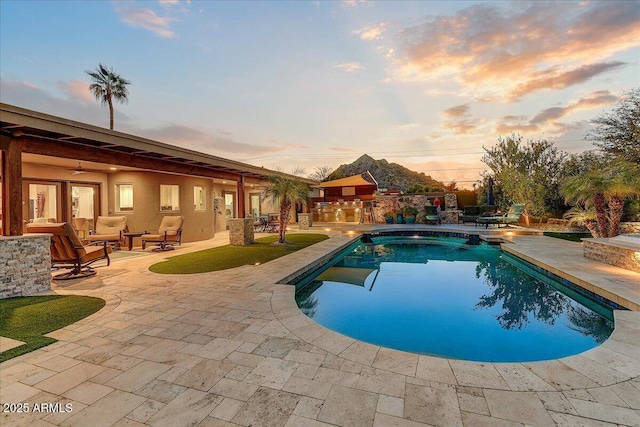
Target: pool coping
(615, 361)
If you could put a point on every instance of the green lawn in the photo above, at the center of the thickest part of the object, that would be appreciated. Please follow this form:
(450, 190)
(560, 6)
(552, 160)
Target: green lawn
(29, 318)
(574, 237)
(229, 256)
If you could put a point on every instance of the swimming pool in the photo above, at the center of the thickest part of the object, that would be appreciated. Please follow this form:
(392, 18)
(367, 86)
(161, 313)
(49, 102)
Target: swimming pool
(448, 298)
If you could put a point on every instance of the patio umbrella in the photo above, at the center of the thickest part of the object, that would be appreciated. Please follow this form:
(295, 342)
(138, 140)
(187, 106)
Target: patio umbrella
(490, 198)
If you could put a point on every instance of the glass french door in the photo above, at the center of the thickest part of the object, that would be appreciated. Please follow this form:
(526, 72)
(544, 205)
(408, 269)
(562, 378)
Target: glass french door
(254, 204)
(42, 202)
(230, 206)
(84, 207)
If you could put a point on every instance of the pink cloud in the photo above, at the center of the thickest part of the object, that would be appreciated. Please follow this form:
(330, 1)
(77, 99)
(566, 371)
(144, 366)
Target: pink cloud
(548, 118)
(146, 19)
(519, 49)
(77, 89)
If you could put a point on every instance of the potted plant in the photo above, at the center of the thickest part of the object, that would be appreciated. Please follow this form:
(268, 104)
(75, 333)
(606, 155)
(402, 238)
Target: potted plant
(410, 214)
(388, 217)
(399, 217)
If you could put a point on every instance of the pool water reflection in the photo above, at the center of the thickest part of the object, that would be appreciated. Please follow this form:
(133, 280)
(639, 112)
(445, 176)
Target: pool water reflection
(446, 298)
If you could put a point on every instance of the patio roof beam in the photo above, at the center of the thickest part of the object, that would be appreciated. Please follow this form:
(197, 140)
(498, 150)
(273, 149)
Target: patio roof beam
(11, 165)
(76, 152)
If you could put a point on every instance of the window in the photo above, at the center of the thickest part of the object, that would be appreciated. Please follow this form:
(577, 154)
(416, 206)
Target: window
(124, 197)
(254, 204)
(199, 202)
(169, 198)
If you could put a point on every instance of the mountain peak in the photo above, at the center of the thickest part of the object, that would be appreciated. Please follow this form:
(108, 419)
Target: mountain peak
(388, 175)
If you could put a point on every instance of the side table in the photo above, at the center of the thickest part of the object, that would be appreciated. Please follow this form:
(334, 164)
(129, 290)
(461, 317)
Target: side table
(131, 236)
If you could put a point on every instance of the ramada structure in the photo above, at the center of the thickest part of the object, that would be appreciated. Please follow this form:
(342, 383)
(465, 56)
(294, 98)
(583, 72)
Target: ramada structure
(61, 170)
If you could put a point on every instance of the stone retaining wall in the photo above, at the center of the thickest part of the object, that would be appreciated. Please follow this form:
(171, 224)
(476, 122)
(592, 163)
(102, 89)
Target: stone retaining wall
(620, 256)
(25, 265)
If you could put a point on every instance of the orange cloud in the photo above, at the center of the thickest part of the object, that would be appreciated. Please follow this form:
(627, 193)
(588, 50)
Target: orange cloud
(459, 120)
(552, 79)
(550, 116)
(372, 32)
(519, 49)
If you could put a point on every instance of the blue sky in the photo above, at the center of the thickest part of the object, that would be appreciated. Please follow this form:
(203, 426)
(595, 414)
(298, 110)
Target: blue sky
(285, 84)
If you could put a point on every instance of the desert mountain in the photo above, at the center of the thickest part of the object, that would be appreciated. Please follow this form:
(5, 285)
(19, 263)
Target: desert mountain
(388, 175)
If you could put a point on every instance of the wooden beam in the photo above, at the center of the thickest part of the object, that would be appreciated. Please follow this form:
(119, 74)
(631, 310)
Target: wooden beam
(241, 208)
(12, 188)
(70, 151)
(5, 140)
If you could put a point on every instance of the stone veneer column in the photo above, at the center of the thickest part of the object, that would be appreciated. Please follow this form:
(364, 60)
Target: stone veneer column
(25, 265)
(241, 231)
(305, 221)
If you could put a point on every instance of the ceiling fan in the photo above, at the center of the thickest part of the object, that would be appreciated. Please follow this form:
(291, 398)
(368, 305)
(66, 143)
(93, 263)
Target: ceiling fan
(79, 169)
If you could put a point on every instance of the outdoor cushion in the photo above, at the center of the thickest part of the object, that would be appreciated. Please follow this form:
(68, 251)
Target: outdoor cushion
(511, 217)
(170, 231)
(109, 228)
(67, 251)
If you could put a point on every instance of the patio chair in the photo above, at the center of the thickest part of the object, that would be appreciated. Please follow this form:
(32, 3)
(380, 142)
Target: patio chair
(273, 223)
(431, 214)
(110, 229)
(67, 251)
(170, 231)
(512, 216)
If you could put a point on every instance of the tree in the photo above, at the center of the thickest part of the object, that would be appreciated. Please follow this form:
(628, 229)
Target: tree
(525, 173)
(321, 173)
(603, 187)
(108, 86)
(617, 133)
(286, 190)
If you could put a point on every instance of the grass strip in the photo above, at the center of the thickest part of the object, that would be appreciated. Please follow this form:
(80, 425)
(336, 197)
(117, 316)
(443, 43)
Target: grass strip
(28, 319)
(574, 237)
(230, 256)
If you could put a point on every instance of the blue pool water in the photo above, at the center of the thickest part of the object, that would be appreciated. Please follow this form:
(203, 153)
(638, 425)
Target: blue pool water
(442, 297)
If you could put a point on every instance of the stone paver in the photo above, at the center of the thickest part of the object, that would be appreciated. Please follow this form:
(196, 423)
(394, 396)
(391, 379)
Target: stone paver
(231, 348)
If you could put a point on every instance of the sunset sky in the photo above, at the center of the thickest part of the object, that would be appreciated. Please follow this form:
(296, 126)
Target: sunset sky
(285, 84)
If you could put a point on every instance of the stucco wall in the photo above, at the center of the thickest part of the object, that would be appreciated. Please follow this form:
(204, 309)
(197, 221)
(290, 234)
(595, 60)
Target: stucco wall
(146, 214)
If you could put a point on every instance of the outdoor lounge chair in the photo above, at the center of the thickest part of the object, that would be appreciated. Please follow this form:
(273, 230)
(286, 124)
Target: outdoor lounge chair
(170, 231)
(431, 214)
(67, 251)
(511, 217)
(110, 229)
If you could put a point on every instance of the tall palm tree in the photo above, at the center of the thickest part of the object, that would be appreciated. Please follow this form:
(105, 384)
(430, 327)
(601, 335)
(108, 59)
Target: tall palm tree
(108, 86)
(286, 190)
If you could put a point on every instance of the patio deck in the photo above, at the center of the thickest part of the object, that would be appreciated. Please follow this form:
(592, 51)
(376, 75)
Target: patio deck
(232, 348)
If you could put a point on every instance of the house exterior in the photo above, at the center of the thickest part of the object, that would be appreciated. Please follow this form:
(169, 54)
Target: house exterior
(64, 171)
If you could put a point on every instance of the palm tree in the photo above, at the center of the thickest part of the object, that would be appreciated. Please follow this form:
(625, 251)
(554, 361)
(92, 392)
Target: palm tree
(286, 190)
(107, 86)
(587, 188)
(601, 187)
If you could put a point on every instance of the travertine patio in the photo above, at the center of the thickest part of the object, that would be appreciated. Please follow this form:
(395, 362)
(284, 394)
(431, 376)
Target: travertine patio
(232, 348)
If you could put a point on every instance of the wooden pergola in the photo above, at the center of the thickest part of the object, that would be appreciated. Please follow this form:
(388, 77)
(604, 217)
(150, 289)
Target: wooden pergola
(27, 131)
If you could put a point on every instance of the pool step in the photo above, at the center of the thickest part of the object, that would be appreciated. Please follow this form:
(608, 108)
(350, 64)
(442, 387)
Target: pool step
(492, 238)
